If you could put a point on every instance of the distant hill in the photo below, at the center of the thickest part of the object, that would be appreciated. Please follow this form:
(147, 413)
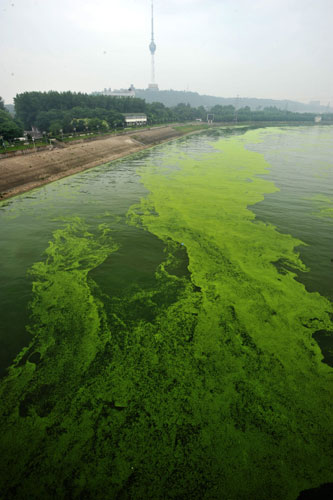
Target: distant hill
(173, 97)
(10, 108)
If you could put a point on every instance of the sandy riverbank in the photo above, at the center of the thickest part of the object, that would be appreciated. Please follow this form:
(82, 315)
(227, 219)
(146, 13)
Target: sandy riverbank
(23, 173)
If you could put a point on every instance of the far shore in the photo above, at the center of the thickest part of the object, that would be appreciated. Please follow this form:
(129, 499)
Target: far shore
(23, 173)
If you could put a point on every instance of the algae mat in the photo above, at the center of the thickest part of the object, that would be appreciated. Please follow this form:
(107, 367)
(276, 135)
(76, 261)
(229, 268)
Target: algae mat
(206, 384)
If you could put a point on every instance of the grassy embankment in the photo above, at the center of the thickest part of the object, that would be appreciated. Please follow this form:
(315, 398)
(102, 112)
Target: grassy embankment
(184, 129)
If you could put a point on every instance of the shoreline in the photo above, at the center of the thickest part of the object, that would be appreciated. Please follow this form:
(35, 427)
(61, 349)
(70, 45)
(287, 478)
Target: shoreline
(22, 173)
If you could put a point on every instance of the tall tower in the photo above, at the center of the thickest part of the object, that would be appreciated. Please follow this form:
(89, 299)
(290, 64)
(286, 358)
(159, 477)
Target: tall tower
(152, 48)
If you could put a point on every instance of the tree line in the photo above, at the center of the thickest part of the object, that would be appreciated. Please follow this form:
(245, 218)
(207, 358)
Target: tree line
(54, 112)
(9, 127)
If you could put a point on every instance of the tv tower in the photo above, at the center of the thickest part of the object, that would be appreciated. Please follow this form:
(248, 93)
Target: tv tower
(152, 48)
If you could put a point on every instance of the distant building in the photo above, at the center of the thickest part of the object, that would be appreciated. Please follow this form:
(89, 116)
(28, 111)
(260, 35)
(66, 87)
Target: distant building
(34, 132)
(134, 119)
(117, 93)
(318, 119)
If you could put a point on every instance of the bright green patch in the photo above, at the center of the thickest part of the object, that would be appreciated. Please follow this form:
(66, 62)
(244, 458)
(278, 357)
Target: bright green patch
(324, 206)
(19, 147)
(206, 386)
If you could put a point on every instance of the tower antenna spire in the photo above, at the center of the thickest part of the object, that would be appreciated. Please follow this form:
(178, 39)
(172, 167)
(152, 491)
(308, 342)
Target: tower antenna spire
(152, 48)
(152, 20)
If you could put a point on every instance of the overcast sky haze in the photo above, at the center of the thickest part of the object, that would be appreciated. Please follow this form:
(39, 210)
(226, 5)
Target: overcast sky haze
(279, 49)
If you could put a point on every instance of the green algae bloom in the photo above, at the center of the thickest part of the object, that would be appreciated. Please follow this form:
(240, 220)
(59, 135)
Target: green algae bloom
(207, 385)
(324, 206)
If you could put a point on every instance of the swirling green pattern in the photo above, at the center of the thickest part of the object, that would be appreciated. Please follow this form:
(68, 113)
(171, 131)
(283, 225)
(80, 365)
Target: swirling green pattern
(208, 385)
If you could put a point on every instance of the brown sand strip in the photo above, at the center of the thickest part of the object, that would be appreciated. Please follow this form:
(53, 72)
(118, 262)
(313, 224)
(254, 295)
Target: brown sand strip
(25, 172)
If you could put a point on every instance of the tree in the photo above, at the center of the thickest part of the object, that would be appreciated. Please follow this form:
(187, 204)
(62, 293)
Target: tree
(80, 124)
(42, 108)
(45, 118)
(184, 112)
(9, 128)
(244, 114)
(115, 119)
(55, 127)
(2, 104)
(30, 104)
(97, 124)
(27, 106)
(223, 113)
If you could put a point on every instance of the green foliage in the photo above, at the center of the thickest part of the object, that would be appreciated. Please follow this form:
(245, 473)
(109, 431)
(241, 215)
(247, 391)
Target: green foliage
(327, 118)
(158, 113)
(114, 119)
(29, 104)
(19, 146)
(45, 118)
(273, 114)
(97, 124)
(9, 127)
(184, 112)
(80, 124)
(78, 117)
(171, 98)
(223, 113)
(10, 108)
(55, 127)
(40, 109)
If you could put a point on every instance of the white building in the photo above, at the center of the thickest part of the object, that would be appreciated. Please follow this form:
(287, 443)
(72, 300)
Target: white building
(117, 93)
(134, 119)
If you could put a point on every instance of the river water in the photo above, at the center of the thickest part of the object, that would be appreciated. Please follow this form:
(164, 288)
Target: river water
(170, 317)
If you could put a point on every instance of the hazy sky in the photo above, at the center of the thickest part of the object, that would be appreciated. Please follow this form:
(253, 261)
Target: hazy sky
(280, 49)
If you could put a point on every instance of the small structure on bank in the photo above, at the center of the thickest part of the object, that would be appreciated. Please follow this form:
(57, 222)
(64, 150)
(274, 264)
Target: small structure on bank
(135, 119)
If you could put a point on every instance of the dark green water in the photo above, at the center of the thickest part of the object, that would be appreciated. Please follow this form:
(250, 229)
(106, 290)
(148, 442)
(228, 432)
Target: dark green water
(302, 168)
(163, 338)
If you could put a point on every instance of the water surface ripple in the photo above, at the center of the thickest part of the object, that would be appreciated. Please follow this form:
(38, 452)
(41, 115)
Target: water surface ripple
(167, 323)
